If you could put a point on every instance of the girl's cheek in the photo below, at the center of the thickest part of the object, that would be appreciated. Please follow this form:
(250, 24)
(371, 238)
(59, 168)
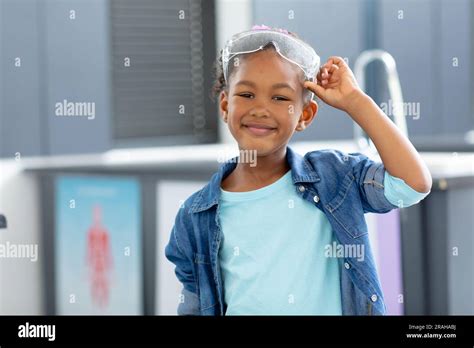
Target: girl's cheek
(291, 109)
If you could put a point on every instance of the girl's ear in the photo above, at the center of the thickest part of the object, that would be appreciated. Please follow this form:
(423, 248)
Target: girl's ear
(223, 105)
(309, 111)
(307, 116)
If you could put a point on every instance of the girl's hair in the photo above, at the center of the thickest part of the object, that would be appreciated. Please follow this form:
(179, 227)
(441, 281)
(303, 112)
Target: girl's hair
(219, 80)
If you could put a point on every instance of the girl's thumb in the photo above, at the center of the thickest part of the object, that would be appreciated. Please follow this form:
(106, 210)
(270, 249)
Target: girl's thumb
(315, 88)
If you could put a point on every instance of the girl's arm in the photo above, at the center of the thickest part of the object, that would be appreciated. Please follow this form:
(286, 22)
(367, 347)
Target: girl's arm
(337, 86)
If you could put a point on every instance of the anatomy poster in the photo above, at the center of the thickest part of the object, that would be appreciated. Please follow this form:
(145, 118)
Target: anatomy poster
(98, 245)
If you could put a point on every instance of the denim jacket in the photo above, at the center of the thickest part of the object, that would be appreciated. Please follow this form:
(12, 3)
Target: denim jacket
(344, 186)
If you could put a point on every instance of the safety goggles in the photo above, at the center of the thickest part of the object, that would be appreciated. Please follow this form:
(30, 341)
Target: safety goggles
(290, 48)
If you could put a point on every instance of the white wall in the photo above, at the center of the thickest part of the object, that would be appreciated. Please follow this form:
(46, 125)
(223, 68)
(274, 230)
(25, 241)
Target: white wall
(21, 290)
(170, 196)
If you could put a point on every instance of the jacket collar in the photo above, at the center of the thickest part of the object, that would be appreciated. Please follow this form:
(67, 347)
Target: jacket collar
(301, 171)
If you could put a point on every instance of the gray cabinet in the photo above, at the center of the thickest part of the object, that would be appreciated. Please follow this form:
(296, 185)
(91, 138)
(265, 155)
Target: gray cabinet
(438, 250)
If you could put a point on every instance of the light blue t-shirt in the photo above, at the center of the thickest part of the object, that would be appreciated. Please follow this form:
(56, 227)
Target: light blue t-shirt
(272, 255)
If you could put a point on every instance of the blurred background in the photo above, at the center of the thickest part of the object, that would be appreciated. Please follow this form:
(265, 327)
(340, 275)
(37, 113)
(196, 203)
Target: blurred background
(107, 126)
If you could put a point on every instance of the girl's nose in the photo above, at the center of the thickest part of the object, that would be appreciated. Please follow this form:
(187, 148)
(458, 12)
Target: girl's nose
(259, 111)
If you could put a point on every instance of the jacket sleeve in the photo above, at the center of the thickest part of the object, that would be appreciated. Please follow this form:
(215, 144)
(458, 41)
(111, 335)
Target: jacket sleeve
(399, 193)
(189, 300)
(369, 178)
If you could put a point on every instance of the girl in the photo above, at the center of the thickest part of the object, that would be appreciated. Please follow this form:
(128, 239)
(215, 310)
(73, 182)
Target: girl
(257, 239)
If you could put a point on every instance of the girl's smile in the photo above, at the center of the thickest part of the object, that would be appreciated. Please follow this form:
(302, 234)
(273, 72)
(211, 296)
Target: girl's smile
(259, 129)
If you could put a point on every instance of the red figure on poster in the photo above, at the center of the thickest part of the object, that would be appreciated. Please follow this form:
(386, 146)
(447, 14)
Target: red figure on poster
(99, 259)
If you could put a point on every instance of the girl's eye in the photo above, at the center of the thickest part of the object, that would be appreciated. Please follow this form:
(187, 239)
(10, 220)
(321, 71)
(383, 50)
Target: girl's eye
(245, 95)
(249, 95)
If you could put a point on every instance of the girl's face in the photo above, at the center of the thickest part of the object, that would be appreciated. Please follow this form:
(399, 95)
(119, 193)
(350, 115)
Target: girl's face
(264, 103)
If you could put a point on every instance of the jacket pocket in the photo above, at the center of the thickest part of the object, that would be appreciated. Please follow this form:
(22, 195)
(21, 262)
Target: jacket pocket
(346, 208)
(205, 282)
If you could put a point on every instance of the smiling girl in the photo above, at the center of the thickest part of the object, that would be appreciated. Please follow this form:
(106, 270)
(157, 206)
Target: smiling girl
(253, 240)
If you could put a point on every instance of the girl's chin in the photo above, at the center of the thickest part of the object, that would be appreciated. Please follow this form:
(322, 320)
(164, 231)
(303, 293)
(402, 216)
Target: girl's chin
(261, 147)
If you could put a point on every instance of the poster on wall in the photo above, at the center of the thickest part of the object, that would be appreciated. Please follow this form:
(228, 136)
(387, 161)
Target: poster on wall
(98, 246)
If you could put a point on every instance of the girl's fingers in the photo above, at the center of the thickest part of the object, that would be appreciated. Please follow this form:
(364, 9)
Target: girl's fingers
(330, 85)
(333, 63)
(326, 71)
(337, 61)
(314, 87)
(319, 75)
(333, 68)
(324, 84)
(309, 85)
(327, 75)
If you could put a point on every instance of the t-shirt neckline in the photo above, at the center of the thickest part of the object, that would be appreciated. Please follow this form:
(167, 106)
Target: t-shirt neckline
(258, 193)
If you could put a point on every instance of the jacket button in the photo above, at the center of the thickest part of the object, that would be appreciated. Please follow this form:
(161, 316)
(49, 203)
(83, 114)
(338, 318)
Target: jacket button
(373, 298)
(301, 188)
(316, 199)
(347, 265)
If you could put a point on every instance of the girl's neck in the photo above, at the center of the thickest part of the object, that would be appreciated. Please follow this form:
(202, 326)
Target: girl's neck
(248, 177)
